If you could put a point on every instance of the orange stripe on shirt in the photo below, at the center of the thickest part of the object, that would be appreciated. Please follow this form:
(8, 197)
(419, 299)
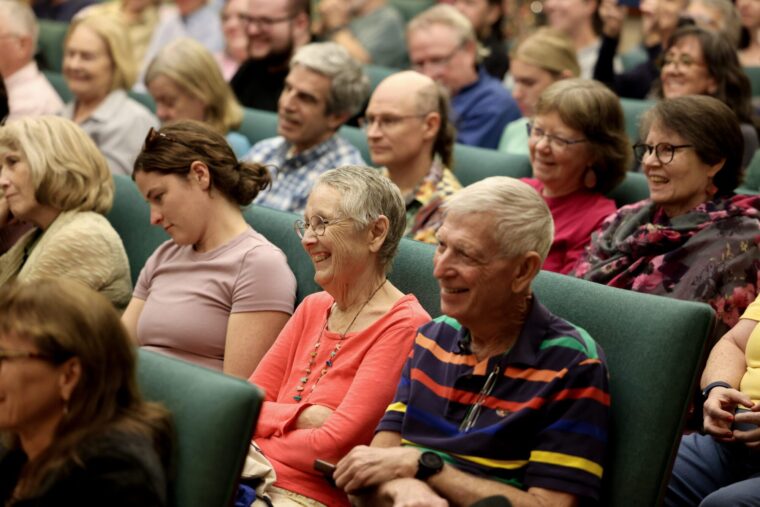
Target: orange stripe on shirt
(442, 355)
(534, 375)
(585, 392)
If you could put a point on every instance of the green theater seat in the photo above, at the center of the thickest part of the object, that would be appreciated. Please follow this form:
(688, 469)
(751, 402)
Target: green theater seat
(214, 417)
(50, 44)
(473, 164)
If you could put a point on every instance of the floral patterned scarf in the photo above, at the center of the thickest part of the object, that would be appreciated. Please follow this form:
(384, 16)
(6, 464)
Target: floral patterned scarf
(710, 254)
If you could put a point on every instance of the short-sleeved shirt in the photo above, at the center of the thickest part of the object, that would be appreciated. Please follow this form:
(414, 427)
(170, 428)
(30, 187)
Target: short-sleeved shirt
(545, 421)
(190, 295)
(750, 384)
(293, 175)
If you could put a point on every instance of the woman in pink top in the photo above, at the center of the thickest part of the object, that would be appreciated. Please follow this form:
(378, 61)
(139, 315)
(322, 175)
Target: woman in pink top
(218, 293)
(579, 151)
(333, 370)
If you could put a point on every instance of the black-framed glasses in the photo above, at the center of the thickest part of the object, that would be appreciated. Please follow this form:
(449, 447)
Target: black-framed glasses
(555, 141)
(10, 355)
(316, 223)
(474, 411)
(663, 151)
(264, 21)
(385, 122)
(438, 61)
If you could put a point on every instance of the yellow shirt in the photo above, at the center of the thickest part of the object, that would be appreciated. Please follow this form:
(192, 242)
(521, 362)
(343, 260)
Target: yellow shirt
(750, 384)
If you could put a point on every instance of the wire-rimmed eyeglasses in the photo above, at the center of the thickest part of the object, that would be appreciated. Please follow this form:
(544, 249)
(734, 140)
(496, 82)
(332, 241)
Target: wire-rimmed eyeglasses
(537, 133)
(316, 224)
(663, 151)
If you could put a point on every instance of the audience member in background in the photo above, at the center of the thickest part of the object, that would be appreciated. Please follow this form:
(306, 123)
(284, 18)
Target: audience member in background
(98, 68)
(234, 27)
(371, 30)
(75, 427)
(59, 10)
(541, 59)
(749, 11)
(196, 19)
(486, 17)
(324, 88)
(659, 19)
(4, 109)
(442, 45)
(53, 176)
(693, 239)
(137, 17)
(276, 29)
(218, 292)
(699, 61)
(577, 20)
(720, 467)
(333, 369)
(186, 84)
(410, 135)
(720, 16)
(28, 92)
(459, 429)
(579, 151)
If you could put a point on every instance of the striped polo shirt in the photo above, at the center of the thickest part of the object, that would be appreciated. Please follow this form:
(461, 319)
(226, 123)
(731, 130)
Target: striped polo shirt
(545, 421)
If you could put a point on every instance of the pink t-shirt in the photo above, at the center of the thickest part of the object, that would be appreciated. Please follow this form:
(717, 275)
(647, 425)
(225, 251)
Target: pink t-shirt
(575, 216)
(189, 296)
(358, 387)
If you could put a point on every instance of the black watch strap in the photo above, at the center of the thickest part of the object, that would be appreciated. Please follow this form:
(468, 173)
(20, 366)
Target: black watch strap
(713, 385)
(428, 465)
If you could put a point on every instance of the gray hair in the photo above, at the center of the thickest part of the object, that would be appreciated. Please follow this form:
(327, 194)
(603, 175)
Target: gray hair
(522, 220)
(349, 86)
(365, 196)
(20, 19)
(447, 15)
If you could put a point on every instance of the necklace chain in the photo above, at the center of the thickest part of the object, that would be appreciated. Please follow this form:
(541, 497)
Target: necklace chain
(331, 357)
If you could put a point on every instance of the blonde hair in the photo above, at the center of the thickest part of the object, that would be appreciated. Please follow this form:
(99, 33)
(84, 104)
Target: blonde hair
(550, 50)
(117, 44)
(192, 68)
(67, 170)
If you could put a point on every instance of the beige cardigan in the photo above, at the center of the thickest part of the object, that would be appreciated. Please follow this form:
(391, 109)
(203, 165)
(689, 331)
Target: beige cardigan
(78, 244)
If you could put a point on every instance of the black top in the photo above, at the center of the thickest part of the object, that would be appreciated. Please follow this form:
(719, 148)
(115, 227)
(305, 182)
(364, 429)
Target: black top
(634, 83)
(497, 61)
(258, 83)
(114, 470)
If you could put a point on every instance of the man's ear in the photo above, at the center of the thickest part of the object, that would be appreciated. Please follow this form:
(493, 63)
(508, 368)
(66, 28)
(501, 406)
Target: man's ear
(200, 174)
(527, 268)
(431, 125)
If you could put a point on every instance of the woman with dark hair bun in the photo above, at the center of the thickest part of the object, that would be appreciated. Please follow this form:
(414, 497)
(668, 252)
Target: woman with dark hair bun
(217, 293)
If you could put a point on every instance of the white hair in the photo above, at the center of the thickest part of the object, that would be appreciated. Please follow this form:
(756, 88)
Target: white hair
(20, 20)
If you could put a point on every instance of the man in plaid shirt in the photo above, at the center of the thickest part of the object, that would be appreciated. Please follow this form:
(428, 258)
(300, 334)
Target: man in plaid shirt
(324, 88)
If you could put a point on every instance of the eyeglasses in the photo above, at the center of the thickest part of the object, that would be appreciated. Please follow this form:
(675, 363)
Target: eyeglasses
(555, 141)
(317, 224)
(385, 122)
(436, 62)
(685, 61)
(264, 22)
(7, 355)
(474, 411)
(663, 151)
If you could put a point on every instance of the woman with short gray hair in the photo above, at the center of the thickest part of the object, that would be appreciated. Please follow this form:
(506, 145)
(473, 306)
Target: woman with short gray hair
(321, 377)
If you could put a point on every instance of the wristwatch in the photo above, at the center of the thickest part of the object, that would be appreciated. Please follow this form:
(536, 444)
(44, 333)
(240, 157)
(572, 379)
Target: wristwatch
(429, 464)
(713, 385)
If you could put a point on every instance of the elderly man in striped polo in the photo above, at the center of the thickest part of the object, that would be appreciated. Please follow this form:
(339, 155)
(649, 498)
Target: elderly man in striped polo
(499, 397)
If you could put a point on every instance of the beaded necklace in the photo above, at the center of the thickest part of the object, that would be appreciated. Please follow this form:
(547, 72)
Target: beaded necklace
(329, 362)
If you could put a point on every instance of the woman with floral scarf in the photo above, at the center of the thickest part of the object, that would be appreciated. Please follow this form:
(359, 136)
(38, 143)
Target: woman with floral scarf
(693, 239)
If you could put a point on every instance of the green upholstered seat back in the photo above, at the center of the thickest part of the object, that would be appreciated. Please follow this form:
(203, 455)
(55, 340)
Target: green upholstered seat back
(632, 189)
(751, 183)
(632, 111)
(473, 164)
(214, 416)
(753, 73)
(258, 125)
(377, 73)
(130, 216)
(356, 137)
(59, 83)
(50, 43)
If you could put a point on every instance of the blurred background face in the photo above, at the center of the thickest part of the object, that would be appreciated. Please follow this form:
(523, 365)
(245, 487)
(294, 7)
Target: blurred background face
(706, 17)
(749, 10)
(87, 65)
(270, 30)
(16, 185)
(437, 52)
(234, 27)
(664, 13)
(16, 50)
(173, 102)
(530, 82)
(567, 15)
(481, 13)
(684, 71)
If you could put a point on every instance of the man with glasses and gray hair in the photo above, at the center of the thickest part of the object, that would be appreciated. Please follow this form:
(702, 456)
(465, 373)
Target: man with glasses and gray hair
(409, 134)
(324, 88)
(442, 45)
(499, 397)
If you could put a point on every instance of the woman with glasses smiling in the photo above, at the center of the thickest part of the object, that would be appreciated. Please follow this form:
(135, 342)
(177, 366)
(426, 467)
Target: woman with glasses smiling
(579, 152)
(333, 370)
(693, 239)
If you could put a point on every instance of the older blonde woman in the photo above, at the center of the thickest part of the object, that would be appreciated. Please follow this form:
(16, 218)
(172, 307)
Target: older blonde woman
(332, 370)
(98, 68)
(541, 59)
(53, 176)
(185, 81)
